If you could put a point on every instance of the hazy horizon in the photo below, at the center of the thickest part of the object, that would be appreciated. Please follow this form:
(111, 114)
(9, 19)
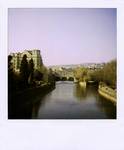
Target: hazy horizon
(64, 35)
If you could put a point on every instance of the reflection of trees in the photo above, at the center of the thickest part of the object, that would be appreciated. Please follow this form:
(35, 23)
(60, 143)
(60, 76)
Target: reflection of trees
(40, 100)
(92, 90)
(80, 92)
(107, 107)
(35, 109)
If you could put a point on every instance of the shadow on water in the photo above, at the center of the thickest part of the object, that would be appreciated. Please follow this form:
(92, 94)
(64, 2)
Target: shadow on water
(21, 104)
(22, 107)
(36, 106)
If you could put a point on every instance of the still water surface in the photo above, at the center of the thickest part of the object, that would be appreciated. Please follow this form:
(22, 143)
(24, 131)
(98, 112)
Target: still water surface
(70, 101)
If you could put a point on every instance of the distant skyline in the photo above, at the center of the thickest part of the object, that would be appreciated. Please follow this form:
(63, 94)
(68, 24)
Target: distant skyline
(64, 35)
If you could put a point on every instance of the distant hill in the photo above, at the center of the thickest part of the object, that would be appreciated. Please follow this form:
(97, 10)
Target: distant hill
(87, 65)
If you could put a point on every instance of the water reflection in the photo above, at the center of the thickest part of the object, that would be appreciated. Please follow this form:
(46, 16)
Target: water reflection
(71, 101)
(106, 106)
(80, 92)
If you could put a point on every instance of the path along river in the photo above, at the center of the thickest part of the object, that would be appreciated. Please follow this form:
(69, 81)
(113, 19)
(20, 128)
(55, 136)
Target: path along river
(70, 101)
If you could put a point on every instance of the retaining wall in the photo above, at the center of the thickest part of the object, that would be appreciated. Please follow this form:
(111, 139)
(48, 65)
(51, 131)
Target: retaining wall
(108, 93)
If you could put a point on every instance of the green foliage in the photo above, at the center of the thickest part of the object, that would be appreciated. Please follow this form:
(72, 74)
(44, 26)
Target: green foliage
(31, 65)
(31, 70)
(13, 78)
(80, 74)
(107, 74)
(51, 77)
(45, 73)
(10, 73)
(10, 67)
(24, 71)
(38, 76)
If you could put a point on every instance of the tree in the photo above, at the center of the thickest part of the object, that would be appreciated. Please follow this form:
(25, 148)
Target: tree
(107, 74)
(51, 77)
(44, 71)
(10, 67)
(24, 71)
(80, 74)
(10, 73)
(31, 70)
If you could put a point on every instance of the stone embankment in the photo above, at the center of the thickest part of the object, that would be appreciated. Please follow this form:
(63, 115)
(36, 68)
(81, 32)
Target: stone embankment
(107, 92)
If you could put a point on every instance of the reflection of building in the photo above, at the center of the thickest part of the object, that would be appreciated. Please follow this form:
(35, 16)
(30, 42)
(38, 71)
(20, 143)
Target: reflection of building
(34, 54)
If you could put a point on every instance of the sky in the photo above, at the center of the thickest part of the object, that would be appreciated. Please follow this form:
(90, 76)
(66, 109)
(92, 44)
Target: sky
(64, 35)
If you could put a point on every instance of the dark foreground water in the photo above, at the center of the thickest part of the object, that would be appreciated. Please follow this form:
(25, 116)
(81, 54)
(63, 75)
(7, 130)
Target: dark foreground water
(70, 101)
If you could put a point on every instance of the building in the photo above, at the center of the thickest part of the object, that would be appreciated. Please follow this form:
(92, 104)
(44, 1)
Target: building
(31, 54)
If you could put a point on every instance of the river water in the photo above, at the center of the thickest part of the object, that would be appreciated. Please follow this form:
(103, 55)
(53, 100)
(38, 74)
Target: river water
(70, 101)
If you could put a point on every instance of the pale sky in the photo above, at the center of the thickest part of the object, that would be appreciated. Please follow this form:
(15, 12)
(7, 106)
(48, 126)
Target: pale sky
(65, 35)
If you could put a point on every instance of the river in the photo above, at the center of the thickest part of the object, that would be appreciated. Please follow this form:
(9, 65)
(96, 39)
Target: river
(70, 101)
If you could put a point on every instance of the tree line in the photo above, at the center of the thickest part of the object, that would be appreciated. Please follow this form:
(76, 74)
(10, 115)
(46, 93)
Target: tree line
(107, 74)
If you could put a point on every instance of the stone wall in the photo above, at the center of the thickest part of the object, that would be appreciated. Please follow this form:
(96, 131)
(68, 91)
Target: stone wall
(108, 93)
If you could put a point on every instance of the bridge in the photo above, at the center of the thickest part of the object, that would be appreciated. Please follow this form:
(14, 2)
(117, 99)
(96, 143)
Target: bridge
(65, 74)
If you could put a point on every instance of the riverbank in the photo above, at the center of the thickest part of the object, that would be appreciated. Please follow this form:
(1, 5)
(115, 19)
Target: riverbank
(107, 93)
(20, 104)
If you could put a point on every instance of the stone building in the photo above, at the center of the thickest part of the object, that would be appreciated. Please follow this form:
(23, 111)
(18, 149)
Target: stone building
(34, 54)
